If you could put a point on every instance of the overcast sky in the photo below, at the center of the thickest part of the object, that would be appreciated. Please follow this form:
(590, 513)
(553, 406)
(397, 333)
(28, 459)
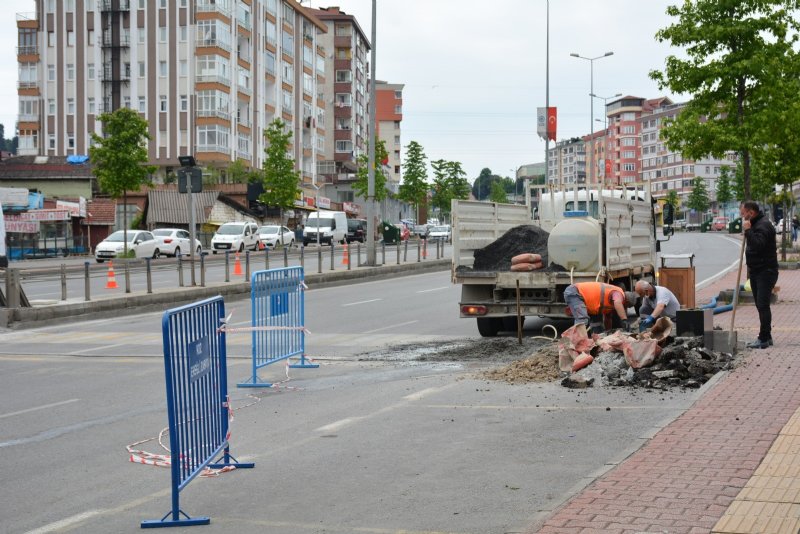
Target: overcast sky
(474, 71)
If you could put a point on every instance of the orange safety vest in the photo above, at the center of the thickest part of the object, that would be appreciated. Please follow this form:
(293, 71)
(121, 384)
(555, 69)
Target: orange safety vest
(597, 296)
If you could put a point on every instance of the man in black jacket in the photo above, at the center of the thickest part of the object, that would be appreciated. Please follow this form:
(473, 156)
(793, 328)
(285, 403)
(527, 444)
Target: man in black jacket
(762, 266)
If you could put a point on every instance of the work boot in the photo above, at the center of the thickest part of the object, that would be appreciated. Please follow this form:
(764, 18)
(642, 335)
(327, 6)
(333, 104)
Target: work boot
(758, 344)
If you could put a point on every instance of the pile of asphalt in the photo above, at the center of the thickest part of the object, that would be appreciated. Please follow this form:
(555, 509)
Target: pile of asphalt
(496, 256)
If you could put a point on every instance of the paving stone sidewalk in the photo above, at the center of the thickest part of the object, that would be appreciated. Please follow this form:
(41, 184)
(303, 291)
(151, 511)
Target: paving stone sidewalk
(699, 473)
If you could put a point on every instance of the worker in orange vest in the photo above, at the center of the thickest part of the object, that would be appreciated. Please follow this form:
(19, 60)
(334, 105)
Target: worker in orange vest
(589, 302)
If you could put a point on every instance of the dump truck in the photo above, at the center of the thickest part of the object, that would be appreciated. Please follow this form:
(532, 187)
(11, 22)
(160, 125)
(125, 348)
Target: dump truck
(595, 234)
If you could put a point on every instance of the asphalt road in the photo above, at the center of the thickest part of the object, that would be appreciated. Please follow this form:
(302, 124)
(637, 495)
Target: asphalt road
(354, 446)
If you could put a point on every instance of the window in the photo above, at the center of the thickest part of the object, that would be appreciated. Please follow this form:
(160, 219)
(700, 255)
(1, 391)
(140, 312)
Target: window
(629, 154)
(70, 38)
(398, 109)
(183, 33)
(271, 32)
(343, 146)
(51, 6)
(162, 103)
(51, 141)
(141, 69)
(142, 104)
(344, 100)
(51, 73)
(628, 141)
(70, 106)
(69, 5)
(344, 76)
(162, 34)
(308, 84)
(126, 101)
(51, 106)
(141, 4)
(162, 69)
(288, 103)
(90, 105)
(288, 73)
(140, 35)
(127, 71)
(272, 6)
(288, 14)
(270, 60)
(51, 39)
(398, 95)
(90, 71)
(212, 137)
(628, 129)
(184, 103)
(90, 38)
(162, 4)
(628, 166)
(183, 67)
(288, 42)
(71, 141)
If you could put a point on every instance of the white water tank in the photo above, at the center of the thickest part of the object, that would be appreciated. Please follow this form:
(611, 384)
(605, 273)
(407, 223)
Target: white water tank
(576, 242)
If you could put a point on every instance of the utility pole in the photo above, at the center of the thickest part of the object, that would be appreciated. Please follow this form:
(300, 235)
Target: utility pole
(371, 135)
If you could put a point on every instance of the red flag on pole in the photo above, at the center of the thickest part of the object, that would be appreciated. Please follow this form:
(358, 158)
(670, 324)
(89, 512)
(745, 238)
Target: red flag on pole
(551, 123)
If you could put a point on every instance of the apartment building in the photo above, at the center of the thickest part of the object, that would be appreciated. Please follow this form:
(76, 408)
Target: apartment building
(668, 170)
(567, 162)
(623, 143)
(208, 75)
(596, 163)
(389, 116)
(346, 102)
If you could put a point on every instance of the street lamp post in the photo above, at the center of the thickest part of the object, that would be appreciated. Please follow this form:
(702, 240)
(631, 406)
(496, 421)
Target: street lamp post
(605, 99)
(591, 61)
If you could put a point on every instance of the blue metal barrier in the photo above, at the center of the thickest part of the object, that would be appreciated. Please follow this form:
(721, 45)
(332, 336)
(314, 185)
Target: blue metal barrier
(278, 319)
(197, 399)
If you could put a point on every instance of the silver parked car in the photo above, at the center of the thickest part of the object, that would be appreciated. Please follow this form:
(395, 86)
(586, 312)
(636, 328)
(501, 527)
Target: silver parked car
(174, 241)
(440, 233)
(142, 243)
(272, 235)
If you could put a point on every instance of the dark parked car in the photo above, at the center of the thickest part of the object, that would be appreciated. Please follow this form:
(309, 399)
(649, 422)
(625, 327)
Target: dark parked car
(356, 230)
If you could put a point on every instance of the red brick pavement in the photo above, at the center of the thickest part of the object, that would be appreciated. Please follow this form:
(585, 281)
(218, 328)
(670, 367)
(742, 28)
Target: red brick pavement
(684, 478)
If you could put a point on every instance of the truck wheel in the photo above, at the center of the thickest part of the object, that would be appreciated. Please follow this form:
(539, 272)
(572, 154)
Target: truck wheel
(489, 326)
(510, 323)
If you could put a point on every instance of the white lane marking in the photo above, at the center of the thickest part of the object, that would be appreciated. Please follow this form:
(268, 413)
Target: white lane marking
(434, 289)
(58, 525)
(421, 394)
(361, 302)
(391, 326)
(43, 407)
(78, 352)
(729, 268)
(336, 425)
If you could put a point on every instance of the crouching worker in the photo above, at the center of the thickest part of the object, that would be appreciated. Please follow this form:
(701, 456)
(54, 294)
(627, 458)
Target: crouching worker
(657, 302)
(590, 302)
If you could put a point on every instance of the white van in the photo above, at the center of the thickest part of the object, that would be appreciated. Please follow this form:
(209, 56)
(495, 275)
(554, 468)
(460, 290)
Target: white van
(330, 225)
(235, 236)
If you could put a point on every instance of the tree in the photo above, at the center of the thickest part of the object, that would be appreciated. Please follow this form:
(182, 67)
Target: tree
(498, 193)
(415, 187)
(727, 45)
(724, 187)
(482, 185)
(672, 199)
(449, 182)
(361, 185)
(238, 172)
(119, 158)
(698, 198)
(279, 177)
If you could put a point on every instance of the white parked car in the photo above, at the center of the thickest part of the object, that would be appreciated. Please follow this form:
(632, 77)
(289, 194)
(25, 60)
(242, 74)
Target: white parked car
(271, 235)
(143, 243)
(174, 241)
(235, 236)
(439, 233)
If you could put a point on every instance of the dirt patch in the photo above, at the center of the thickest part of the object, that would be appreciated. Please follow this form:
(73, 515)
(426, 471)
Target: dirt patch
(540, 367)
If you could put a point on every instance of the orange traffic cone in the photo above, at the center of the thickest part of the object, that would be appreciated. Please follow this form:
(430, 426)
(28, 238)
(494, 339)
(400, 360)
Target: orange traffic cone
(237, 266)
(345, 260)
(112, 281)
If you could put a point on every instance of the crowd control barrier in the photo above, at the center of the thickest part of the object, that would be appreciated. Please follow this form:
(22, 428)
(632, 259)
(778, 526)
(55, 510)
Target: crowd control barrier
(197, 399)
(278, 320)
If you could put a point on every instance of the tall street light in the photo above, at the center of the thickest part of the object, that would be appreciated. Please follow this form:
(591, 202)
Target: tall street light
(605, 100)
(591, 61)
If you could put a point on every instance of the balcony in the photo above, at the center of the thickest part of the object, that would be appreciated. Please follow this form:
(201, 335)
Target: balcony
(220, 149)
(213, 78)
(114, 39)
(241, 154)
(213, 42)
(107, 75)
(244, 120)
(216, 113)
(29, 117)
(27, 50)
(27, 84)
(115, 5)
(211, 7)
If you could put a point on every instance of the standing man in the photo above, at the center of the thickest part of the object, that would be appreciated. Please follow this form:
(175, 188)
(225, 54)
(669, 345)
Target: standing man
(593, 299)
(762, 266)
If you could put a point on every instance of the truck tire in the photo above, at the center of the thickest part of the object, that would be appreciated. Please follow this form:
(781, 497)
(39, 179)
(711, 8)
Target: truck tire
(510, 323)
(489, 326)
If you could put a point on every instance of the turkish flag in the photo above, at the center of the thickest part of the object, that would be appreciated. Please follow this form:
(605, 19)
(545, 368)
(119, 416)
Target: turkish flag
(608, 167)
(551, 123)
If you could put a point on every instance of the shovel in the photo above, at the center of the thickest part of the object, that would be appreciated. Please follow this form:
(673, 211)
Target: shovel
(736, 291)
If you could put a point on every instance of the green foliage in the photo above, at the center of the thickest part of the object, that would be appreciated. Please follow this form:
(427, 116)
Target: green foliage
(727, 46)
(498, 192)
(279, 177)
(361, 185)
(138, 221)
(238, 172)
(724, 187)
(414, 188)
(760, 185)
(449, 182)
(119, 159)
(698, 198)
(482, 186)
(672, 198)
